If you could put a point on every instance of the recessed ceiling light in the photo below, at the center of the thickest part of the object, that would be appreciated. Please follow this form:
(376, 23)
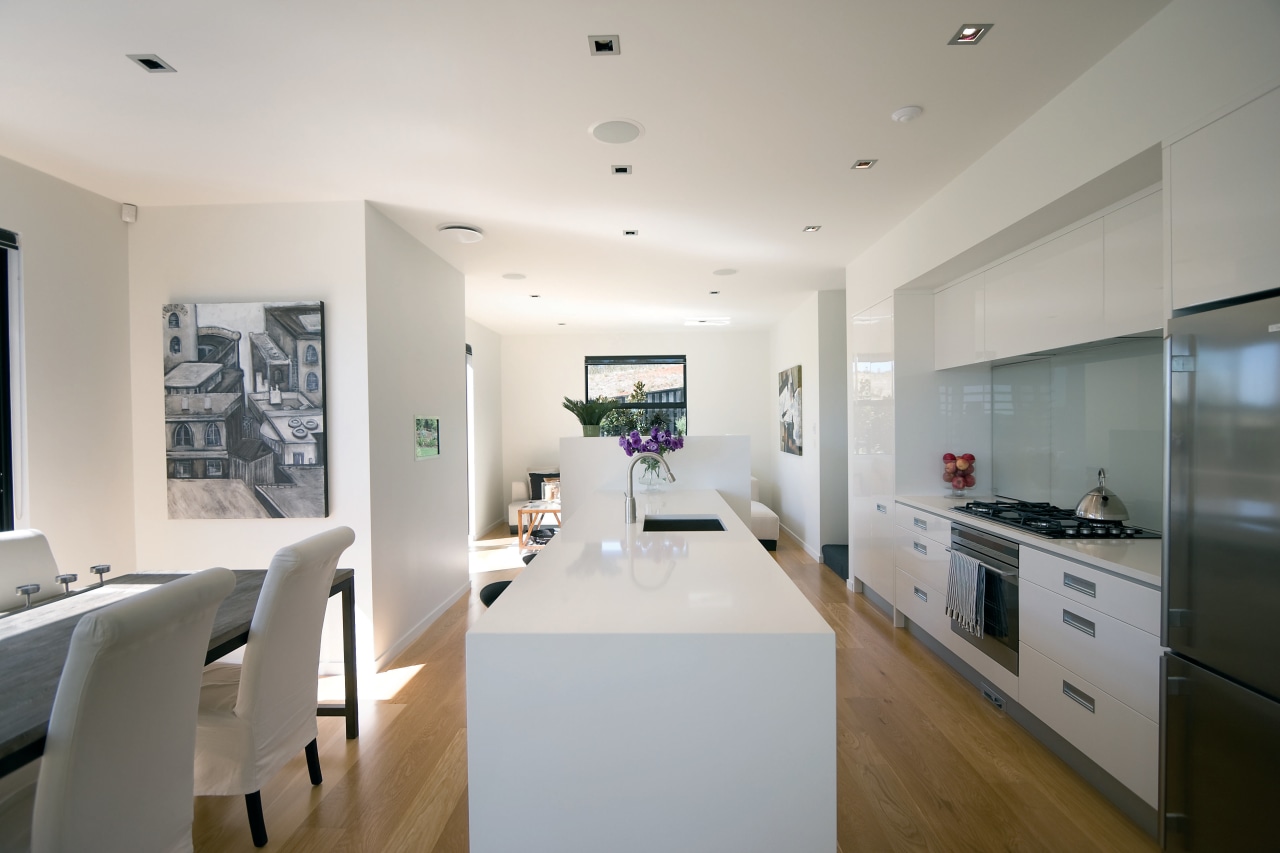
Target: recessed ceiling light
(151, 62)
(809, 229)
(970, 33)
(907, 114)
(616, 131)
(620, 170)
(715, 293)
(725, 271)
(630, 232)
(864, 164)
(535, 295)
(462, 233)
(560, 324)
(514, 276)
(604, 45)
(707, 321)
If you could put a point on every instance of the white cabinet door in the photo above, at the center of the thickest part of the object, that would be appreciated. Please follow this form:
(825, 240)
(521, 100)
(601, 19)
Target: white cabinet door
(1224, 203)
(1134, 275)
(871, 551)
(959, 324)
(1047, 297)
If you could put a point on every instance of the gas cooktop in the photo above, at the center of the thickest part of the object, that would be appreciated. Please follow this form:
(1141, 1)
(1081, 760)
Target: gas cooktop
(1053, 522)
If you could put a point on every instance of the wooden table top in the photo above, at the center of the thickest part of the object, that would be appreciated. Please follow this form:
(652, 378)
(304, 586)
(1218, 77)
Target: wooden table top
(34, 643)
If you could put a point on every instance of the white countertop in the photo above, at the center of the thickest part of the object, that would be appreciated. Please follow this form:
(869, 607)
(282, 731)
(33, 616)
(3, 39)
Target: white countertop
(600, 575)
(1135, 559)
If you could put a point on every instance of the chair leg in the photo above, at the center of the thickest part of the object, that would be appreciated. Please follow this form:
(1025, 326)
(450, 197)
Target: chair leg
(257, 826)
(313, 762)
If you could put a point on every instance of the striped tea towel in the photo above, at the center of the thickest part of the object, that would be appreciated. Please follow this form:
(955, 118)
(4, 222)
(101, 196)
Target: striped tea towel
(966, 581)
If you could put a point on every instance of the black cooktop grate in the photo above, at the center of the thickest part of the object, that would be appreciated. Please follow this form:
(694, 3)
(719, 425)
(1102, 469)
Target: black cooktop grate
(1053, 522)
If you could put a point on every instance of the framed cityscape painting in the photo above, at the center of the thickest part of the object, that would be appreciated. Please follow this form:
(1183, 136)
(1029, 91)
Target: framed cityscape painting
(789, 411)
(244, 410)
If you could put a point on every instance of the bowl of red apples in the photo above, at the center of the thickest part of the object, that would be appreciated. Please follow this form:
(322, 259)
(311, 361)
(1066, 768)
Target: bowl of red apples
(958, 471)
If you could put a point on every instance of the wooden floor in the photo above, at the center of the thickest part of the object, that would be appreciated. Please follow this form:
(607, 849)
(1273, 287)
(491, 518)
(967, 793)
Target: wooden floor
(924, 762)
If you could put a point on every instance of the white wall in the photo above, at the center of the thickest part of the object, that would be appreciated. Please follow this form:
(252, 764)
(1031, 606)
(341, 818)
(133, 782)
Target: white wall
(251, 253)
(417, 367)
(71, 371)
(833, 416)
(492, 490)
(799, 500)
(728, 375)
(1190, 59)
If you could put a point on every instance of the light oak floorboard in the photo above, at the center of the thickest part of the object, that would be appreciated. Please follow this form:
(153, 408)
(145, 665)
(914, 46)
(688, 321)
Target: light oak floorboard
(923, 762)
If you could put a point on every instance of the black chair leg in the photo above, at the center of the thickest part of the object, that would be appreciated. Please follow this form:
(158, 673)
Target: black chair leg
(313, 762)
(257, 826)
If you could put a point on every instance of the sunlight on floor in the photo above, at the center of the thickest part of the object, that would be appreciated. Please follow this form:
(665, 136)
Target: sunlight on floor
(495, 554)
(385, 685)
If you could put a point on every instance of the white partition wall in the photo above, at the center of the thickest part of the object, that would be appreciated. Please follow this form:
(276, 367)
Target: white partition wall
(594, 469)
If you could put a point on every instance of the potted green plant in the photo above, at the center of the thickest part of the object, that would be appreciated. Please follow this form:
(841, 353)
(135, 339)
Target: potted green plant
(590, 412)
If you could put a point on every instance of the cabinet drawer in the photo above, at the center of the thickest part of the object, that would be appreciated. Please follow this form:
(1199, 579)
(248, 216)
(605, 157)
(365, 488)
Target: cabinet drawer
(1117, 738)
(1126, 600)
(1112, 654)
(935, 527)
(921, 603)
(925, 558)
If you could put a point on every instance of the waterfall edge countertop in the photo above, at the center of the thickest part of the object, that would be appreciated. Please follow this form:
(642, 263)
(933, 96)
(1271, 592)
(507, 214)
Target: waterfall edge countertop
(635, 692)
(601, 575)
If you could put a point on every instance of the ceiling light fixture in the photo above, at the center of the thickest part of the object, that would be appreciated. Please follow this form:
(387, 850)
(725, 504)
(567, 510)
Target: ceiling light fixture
(715, 293)
(864, 164)
(620, 170)
(725, 271)
(462, 233)
(970, 33)
(907, 114)
(810, 229)
(514, 276)
(630, 232)
(707, 321)
(616, 131)
(535, 295)
(152, 63)
(604, 45)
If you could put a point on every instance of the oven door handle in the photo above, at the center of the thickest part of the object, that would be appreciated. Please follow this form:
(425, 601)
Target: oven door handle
(1001, 572)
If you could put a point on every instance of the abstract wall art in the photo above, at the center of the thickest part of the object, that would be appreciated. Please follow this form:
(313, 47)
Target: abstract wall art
(789, 411)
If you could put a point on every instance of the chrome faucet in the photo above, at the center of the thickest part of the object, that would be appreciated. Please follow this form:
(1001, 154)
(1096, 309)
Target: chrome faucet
(631, 481)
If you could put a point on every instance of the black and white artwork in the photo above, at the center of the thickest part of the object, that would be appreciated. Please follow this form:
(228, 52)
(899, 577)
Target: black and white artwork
(789, 411)
(244, 410)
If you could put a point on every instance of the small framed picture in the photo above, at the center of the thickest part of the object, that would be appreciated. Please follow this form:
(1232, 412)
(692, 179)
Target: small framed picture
(551, 488)
(426, 437)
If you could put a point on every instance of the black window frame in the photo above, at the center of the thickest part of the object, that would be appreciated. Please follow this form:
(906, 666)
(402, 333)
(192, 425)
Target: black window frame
(8, 242)
(676, 408)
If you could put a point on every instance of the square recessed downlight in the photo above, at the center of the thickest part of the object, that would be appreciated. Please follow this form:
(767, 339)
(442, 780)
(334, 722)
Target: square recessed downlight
(707, 321)
(605, 45)
(970, 33)
(630, 232)
(863, 164)
(151, 62)
(809, 229)
(620, 170)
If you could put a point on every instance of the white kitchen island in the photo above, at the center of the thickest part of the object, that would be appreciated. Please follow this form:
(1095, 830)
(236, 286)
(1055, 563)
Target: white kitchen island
(646, 692)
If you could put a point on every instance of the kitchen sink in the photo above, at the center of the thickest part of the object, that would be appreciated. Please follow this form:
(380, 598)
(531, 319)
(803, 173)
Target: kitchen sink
(660, 523)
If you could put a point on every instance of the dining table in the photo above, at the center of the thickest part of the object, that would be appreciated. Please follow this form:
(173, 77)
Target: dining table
(34, 643)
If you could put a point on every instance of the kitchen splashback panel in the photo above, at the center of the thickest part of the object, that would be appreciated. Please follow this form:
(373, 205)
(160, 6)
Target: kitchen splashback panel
(1057, 420)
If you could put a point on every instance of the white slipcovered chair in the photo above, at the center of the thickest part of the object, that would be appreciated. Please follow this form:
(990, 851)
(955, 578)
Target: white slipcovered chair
(118, 760)
(257, 715)
(25, 558)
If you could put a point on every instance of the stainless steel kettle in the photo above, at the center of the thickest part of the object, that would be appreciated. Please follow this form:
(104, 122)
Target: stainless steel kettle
(1102, 504)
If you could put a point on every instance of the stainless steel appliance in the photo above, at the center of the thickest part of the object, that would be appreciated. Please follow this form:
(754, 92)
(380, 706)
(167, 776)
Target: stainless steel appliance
(1220, 705)
(1052, 522)
(999, 560)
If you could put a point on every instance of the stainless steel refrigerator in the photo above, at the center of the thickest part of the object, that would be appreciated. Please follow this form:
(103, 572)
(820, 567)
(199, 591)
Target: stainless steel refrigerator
(1220, 709)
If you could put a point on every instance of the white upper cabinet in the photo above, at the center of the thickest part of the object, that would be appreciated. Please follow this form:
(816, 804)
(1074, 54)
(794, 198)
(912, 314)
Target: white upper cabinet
(1134, 271)
(959, 324)
(1224, 206)
(1047, 297)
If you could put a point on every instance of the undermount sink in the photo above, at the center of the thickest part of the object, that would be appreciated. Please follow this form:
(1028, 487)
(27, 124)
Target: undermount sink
(660, 523)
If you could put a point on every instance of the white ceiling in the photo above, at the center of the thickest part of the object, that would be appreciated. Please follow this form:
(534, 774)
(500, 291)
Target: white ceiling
(478, 112)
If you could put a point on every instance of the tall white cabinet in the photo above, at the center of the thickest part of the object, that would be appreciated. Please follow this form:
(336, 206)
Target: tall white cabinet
(871, 448)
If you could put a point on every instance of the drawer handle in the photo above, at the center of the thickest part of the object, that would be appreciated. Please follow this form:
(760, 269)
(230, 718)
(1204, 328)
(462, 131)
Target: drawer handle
(1084, 700)
(882, 508)
(1084, 626)
(920, 522)
(1089, 588)
(923, 549)
(921, 594)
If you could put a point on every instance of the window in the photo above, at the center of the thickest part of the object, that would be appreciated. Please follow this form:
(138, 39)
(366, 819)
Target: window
(175, 345)
(182, 436)
(213, 468)
(8, 242)
(212, 436)
(174, 322)
(182, 469)
(650, 390)
(312, 357)
(313, 382)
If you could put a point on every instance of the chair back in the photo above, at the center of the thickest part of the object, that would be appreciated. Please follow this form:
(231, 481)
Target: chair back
(25, 557)
(279, 676)
(119, 762)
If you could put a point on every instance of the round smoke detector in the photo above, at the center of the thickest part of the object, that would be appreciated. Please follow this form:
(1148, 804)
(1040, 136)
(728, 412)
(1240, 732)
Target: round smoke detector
(617, 131)
(907, 114)
(462, 233)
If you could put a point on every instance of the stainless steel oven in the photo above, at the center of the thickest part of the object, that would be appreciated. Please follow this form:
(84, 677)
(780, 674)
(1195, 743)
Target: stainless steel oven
(999, 560)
